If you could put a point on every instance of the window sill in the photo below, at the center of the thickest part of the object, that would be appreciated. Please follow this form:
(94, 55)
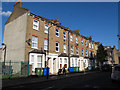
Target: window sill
(57, 36)
(46, 32)
(56, 51)
(34, 47)
(36, 29)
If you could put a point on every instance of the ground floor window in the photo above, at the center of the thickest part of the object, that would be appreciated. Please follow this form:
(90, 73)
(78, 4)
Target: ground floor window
(36, 60)
(74, 62)
(63, 62)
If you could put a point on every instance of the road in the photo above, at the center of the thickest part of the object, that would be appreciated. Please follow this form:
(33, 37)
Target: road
(90, 80)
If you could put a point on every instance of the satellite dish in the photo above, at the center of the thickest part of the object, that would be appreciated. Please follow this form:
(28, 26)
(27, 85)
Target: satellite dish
(29, 40)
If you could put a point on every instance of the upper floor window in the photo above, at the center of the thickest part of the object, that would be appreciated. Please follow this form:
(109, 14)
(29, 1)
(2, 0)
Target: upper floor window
(57, 32)
(77, 50)
(45, 44)
(76, 39)
(64, 35)
(85, 43)
(71, 38)
(89, 45)
(82, 52)
(34, 42)
(35, 24)
(82, 41)
(64, 48)
(71, 49)
(46, 28)
(57, 47)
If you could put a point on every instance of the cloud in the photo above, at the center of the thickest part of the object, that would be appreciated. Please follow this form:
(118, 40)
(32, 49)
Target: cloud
(5, 13)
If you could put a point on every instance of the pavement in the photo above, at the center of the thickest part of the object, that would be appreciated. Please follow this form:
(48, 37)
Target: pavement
(38, 79)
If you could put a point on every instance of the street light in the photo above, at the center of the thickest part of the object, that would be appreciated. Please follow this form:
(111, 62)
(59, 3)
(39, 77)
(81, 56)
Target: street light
(4, 52)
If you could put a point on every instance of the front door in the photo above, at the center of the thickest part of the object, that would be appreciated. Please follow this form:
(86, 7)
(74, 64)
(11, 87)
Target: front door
(54, 65)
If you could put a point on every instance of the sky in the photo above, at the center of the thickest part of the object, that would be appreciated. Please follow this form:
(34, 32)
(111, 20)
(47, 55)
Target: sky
(96, 19)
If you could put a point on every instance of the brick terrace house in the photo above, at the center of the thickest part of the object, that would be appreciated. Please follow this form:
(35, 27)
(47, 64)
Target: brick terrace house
(26, 37)
(113, 55)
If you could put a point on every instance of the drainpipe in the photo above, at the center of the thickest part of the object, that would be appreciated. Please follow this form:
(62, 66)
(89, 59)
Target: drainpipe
(68, 49)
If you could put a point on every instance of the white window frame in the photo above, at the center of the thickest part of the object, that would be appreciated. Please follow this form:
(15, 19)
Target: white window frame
(45, 44)
(57, 47)
(76, 39)
(35, 62)
(35, 24)
(72, 60)
(57, 32)
(72, 49)
(46, 28)
(76, 62)
(71, 38)
(32, 58)
(82, 41)
(64, 48)
(77, 50)
(34, 42)
(64, 35)
(39, 62)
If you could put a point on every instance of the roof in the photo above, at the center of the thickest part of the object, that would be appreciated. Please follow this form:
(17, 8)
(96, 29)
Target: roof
(75, 56)
(63, 55)
(37, 51)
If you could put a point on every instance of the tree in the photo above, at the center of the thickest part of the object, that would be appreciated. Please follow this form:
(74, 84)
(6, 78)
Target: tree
(101, 54)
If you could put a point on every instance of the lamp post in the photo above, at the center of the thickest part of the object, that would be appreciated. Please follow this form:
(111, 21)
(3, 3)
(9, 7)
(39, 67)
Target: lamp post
(4, 52)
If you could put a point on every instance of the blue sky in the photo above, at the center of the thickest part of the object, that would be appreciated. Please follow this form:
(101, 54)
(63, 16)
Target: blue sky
(96, 19)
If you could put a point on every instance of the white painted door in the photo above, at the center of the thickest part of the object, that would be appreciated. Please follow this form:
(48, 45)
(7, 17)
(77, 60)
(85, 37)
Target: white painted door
(54, 65)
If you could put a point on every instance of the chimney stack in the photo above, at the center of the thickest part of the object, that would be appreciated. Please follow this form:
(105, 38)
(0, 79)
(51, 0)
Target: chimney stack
(18, 3)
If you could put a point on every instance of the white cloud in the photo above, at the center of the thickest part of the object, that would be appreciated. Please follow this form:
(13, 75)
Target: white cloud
(5, 13)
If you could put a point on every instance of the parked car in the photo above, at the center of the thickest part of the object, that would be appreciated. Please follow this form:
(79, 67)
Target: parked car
(106, 67)
(115, 75)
